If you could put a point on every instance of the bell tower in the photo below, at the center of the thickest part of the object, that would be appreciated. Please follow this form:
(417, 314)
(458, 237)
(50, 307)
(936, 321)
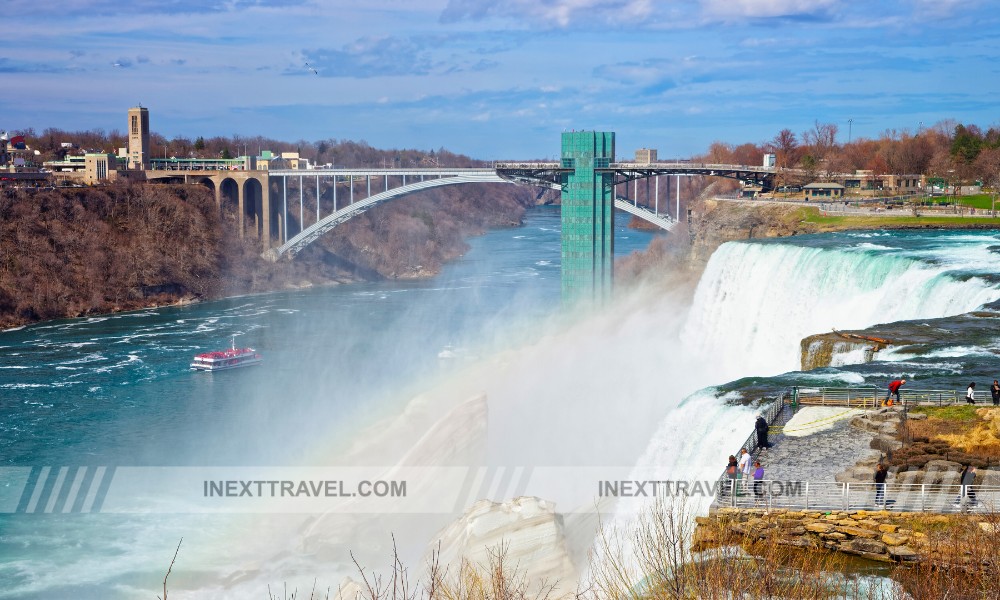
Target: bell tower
(138, 138)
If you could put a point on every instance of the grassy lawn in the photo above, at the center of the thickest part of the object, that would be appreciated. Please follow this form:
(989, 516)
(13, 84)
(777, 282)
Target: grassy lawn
(958, 412)
(977, 201)
(879, 220)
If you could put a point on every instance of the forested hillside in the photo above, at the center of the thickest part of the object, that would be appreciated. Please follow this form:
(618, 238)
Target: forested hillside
(80, 251)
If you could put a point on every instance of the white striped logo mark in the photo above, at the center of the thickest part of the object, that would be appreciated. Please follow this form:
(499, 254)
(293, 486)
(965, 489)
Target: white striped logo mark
(65, 490)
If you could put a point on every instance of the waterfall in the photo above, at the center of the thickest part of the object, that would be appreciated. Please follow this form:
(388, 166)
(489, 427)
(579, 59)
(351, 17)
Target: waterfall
(756, 301)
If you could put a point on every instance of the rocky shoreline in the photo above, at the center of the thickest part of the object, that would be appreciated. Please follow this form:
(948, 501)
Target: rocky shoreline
(875, 535)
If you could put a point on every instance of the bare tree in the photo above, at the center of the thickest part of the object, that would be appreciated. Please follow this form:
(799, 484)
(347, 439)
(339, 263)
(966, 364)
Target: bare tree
(988, 168)
(821, 139)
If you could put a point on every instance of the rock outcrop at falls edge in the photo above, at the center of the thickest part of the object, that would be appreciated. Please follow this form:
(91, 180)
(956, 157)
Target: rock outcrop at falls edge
(714, 222)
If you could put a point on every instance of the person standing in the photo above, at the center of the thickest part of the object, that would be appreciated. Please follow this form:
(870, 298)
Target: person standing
(758, 482)
(995, 392)
(966, 479)
(880, 474)
(746, 468)
(894, 389)
(731, 470)
(970, 393)
(761, 427)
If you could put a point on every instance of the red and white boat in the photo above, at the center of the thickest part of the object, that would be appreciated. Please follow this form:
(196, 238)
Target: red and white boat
(221, 360)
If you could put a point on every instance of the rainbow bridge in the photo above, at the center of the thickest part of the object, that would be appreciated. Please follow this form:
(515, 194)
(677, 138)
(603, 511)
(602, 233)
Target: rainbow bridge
(593, 186)
(391, 184)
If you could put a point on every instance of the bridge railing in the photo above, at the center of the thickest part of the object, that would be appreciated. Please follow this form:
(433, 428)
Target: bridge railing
(834, 495)
(527, 165)
(690, 165)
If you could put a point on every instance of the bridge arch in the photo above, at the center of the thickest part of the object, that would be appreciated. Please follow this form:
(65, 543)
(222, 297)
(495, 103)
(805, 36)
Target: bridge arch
(313, 232)
(310, 234)
(210, 184)
(252, 207)
(228, 192)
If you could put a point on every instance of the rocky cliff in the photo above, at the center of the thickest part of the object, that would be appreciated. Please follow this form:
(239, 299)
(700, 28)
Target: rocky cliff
(714, 222)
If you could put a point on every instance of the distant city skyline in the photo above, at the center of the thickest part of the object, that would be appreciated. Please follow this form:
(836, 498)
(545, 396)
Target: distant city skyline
(499, 80)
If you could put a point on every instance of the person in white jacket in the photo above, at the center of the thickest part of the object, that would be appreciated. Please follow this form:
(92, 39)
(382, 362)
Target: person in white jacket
(746, 468)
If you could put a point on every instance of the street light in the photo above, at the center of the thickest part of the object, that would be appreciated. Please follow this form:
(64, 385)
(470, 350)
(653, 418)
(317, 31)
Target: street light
(850, 126)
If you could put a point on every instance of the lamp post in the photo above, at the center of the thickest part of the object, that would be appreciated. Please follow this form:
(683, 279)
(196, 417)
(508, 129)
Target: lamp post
(850, 126)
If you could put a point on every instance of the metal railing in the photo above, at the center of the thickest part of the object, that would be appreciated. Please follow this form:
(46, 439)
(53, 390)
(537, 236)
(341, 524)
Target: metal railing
(859, 397)
(872, 397)
(832, 495)
(770, 414)
(935, 397)
(829, 494)
(752, 444)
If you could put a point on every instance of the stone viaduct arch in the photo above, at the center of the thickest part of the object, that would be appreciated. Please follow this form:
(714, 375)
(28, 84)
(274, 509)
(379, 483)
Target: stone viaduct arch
(248, 191)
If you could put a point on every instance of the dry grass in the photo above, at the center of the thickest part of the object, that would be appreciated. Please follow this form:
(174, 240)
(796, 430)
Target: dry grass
(655, 558)
(496, 579)
(658, 554)
(971, 430)
(963, 565)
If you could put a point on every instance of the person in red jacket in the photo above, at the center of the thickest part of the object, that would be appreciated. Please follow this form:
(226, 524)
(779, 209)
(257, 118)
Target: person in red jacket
(894, 389)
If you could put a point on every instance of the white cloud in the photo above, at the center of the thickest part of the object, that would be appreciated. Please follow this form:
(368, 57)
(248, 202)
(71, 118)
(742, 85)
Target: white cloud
(759, 42)
(559, 13)
(736, 9)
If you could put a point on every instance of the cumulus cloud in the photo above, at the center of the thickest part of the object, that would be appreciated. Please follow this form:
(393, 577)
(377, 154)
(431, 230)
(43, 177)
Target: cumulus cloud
(558, 13)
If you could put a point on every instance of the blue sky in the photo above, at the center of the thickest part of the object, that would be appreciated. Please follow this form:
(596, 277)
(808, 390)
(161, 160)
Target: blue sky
(501, 79)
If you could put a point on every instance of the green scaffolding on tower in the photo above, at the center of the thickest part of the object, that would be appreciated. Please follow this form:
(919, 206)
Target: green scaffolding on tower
(588, 218)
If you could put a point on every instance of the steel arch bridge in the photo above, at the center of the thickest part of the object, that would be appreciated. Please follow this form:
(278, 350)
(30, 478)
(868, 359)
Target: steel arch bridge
(549, 175)
(441, 178)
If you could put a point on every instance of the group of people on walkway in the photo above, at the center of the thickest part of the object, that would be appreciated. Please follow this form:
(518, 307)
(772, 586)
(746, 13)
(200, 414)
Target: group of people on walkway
(970, 392)
(740, 471)
(744, 475)
(745, 469)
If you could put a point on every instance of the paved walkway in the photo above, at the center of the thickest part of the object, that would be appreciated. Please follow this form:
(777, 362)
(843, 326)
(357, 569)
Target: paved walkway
(801, 466)
(817, 456)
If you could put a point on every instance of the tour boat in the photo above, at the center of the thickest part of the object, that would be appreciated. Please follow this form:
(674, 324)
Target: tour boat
(221, 360)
